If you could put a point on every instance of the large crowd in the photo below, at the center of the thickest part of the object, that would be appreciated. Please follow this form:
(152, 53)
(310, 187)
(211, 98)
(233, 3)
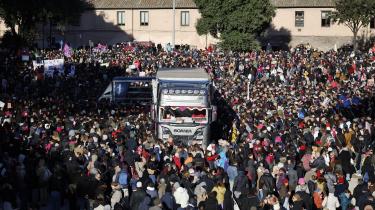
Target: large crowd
(297, 128)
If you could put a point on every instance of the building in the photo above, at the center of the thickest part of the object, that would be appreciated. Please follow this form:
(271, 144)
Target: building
(113, 21)
(307, 21)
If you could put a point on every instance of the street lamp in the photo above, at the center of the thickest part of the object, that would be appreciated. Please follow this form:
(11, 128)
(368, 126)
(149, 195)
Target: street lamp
(174, 24)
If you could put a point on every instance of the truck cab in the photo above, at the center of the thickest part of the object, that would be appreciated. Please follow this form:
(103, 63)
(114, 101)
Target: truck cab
(182, 106)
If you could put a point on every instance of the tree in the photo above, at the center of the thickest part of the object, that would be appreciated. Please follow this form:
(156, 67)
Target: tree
(24, 16)
(355, 14)
(64, 13)
(20, 16)
(237, 23)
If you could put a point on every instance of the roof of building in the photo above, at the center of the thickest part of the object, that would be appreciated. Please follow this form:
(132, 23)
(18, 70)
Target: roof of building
(303, 3)
(166, 4)
(141, 4)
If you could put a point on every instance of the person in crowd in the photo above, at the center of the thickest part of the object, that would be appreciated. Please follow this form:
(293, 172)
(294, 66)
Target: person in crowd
(303, 139)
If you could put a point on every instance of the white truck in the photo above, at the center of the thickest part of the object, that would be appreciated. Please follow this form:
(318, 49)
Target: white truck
(182, 105)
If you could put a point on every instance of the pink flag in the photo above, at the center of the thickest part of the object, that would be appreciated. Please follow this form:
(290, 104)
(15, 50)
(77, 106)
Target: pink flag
(67, 51)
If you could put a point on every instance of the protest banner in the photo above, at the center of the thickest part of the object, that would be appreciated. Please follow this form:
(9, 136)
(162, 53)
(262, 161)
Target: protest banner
(51, 65)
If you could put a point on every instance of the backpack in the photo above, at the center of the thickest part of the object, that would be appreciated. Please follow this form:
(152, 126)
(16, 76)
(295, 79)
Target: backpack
(123, 178)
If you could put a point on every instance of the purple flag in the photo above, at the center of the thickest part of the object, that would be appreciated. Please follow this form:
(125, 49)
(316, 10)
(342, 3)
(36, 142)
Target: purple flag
(67, 51)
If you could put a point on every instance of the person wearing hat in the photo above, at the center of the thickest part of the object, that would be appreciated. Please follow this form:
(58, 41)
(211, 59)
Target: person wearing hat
(137, 196)
(151, 191)
(302, 186)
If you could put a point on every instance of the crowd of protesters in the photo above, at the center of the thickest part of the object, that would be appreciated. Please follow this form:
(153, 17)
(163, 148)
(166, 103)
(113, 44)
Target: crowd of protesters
(297, 133)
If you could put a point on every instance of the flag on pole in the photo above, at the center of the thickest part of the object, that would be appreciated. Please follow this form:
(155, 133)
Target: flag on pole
(67, 51)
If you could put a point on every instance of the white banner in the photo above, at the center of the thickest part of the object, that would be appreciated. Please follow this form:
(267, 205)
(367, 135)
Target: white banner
(50, 66)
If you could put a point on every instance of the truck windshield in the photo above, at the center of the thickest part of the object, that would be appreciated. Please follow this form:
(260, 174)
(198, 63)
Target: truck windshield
(183, 114)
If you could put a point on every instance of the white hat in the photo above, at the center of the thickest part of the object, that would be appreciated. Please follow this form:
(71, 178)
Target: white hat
(139, 184)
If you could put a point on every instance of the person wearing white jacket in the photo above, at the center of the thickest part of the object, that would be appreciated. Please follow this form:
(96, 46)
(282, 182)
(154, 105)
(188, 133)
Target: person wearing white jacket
(331, 202)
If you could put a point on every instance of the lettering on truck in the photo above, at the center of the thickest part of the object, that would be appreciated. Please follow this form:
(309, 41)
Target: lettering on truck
(176, 130)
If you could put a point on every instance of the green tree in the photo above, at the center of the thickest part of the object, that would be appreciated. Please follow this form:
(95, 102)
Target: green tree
(23, 17)
(66, 12)
(355, 14)
(237, 23)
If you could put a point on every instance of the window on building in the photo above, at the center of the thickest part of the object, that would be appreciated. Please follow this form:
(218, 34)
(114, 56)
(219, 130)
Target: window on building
(299, 18)
(185, 18)
(121, 18)
(326, 18)
(144, 18)
(372, 23)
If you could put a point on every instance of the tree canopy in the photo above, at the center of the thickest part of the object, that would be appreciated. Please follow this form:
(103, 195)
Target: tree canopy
(237, 23)
(355, 14)
(24, 16)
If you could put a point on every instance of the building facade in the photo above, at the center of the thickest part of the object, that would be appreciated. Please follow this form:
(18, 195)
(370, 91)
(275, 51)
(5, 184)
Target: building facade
(114, 21)
(307, 21)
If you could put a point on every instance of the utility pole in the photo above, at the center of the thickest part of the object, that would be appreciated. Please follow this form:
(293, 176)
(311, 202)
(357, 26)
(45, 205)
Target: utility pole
(174, 24)
(43, 36)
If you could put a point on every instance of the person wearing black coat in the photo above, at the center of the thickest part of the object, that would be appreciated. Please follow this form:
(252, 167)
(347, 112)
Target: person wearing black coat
(360, 190)
(228, 200)
(267, 183)
(345, 158)
(319, 163)
(211, 202)
(210, 183)
(297, 203)
(137, 197)
(307, 199)
(368, 166)
(199, 161)
(241, 183)
(246, 201)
